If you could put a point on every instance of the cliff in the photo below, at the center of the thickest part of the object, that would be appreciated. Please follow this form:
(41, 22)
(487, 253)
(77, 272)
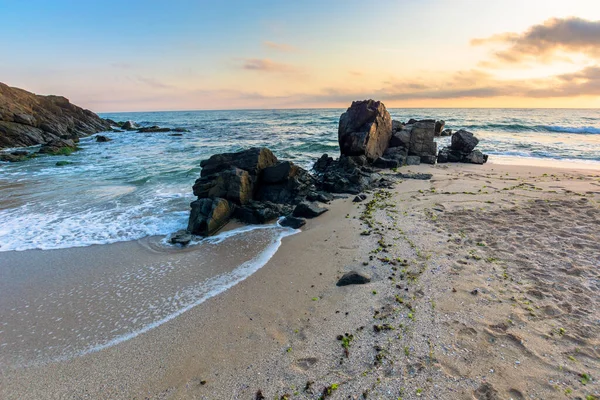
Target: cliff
(27, 119)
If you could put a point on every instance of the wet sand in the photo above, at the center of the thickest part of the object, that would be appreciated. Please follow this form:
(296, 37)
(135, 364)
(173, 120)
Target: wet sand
(485, 285)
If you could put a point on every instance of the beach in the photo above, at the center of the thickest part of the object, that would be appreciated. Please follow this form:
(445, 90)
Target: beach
(483, 283)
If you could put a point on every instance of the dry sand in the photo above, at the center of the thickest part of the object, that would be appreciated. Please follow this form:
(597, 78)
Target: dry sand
(485, 283)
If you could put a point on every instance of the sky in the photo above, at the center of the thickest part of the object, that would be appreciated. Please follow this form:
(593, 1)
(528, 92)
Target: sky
(190, 55)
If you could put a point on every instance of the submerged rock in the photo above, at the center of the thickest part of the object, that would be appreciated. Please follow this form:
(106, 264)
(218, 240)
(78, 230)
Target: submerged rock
(293, 222)
(102, 139)
(58, 147)
(129, 126)
(153, 129)
(365, 129)
(181, 237)
(353, 278)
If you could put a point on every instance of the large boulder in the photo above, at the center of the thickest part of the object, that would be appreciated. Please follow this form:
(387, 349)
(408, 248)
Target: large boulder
(421, 138)
(308, 210)
(208, 216)
(463, 141)
(365, 129)
(279, 172)
(252, 160)
(27, 119)
(234, 184)
(476, 157)
(261, 212)
(401, 138)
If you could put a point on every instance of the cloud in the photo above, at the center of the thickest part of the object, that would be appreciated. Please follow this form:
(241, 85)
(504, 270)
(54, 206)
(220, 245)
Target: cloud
(268, 65)
(153, 83)
(546, 41)
(285, 48)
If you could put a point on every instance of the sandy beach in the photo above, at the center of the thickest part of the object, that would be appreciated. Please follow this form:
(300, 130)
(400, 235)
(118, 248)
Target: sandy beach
(484, 285)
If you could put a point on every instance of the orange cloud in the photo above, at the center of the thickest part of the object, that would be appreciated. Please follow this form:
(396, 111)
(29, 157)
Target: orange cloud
(544, 42)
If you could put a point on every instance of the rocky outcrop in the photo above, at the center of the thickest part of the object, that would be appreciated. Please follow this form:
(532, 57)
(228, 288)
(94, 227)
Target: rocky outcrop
(365, 129)
(415, 139)
(209, 215)
(439, 127)
(462, 149)
(27, 119)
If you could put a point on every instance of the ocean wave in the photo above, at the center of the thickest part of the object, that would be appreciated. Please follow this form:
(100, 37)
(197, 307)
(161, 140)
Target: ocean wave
(572, 129)
(534, 128)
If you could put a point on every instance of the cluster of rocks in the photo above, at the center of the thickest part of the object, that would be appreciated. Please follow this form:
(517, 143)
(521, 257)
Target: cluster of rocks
(27, 119)
(132, 126)
(254, 187)
(462, 149)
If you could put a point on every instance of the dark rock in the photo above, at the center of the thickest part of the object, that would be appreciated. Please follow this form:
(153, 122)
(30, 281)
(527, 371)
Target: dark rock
(411, 121)
(463, 141)
(475, 157)
(365, 129)
(180, 130)
(293, 222)
(413, 160)
(181, 237)
(428, 159)
(322, 197)
(58, 147)
(102, 139)
(359, 198)
(446, 132)
(396, 153)
(9, 157)
(439, 127)
(153, 129)
(353, 278)
(261, 212)
(323, 163)
(175, 134)
(280, 172)
(420, 176)
(449, 155)
(113, 123)
(62, 163)
(308, 210)
(252, 160)
(421, 139)
(27, 119)
(234, 184)
(19, 153)
(401, 138)
(397, 126)
(208, 216)
(386, 163)
(291, 190)
(129, 126)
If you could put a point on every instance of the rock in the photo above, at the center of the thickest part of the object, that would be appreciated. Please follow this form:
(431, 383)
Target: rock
(353, 278)
(446, 132)
(421, 139)
(463, 141)
(293, 222)
(449, 155)
(129, 126)
(322, 197)
(365, 129)
(113, 123)
(252, 160)
(280, 172)
(475, 157)
(290, 190)
(208, 216)
(439, 127)
(180, 130)
(420, 176)
(58, 147)
(19, 153)
(413, 160)
(359, 198)
(10, 157)
(401, 138)
(396, 153)
(27, 119)
(181, 237)
(62, 163)
(397, 126)
(308, 210)
(261, 212)
(429, 159)
(153, 129)
(323, 163)
(176, 134)
(384, 163)
(411, 121)
(102, 139)
(234, 184)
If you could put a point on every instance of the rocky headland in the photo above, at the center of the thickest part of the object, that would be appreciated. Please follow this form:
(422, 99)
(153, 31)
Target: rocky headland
(28, 119)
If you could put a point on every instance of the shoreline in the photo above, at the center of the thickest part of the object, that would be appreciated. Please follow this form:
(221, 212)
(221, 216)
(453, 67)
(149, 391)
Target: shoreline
(239, 341)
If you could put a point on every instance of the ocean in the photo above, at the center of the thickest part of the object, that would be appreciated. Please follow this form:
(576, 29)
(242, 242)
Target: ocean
(60, 304)
(139, 185)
